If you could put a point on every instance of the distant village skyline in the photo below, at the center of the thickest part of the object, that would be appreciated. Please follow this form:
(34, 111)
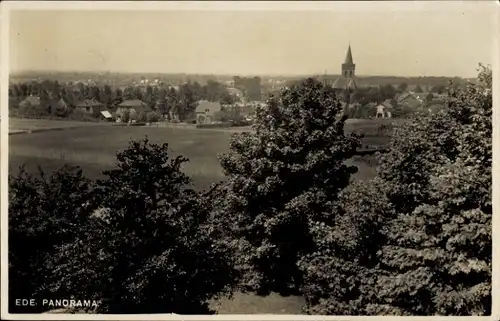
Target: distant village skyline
(420, 41)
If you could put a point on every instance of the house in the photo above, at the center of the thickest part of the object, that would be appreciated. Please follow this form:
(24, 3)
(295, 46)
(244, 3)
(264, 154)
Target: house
(58, 106)
(347, 80)
(205, 111)
(133, 106)
(383, 111)
(90, 106)
(410, 100)
(106, 115)
(387, 104)
(235, 92)
(30, 101)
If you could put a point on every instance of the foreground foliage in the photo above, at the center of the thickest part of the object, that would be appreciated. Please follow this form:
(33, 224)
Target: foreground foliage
(417, 239)
(282, 175)
(44, 213)
(146, 248)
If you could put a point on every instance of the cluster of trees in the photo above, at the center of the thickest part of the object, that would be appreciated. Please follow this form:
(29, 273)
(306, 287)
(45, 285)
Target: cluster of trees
(251, 87)
(377, 95)
(414, 240)
(167, 101)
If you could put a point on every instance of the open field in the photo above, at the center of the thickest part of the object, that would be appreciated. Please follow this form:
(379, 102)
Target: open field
(23, 124)
(93, 149)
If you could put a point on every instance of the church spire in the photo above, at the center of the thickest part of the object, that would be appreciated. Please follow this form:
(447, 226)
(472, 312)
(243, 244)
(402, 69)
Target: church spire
(348, 57)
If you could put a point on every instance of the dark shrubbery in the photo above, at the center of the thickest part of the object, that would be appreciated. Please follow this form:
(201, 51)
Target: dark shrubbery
(140, 243)
(281, 176)
(44, 213)
(415, 240)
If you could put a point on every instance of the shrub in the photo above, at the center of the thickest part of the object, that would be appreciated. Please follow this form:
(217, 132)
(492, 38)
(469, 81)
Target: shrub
(281, 175)
(417, 239)
(340, 276)
(440, 243)
(150, 248)
(222, 116)
(141, 116)
(44, 213)
(126, 116)
(153, 117)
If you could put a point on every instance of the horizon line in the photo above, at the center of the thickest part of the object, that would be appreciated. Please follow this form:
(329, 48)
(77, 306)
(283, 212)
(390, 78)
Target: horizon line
(17, 72)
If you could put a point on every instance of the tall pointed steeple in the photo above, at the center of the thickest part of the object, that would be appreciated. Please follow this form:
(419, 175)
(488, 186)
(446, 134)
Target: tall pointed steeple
(348, 57)
(347, 80)
(348, 67)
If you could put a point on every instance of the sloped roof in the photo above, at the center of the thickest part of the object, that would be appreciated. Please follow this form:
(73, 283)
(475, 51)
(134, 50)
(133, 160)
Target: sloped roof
(387, 104)
(132, 103)
(345, 83)
(211, 106)
(142, 109)
(106, 114)
(348, 57)
(234, 91)
(58, 103)
(31, 100)
(90, 103)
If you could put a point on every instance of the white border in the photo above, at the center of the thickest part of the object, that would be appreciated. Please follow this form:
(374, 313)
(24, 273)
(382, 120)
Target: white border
(376, 6)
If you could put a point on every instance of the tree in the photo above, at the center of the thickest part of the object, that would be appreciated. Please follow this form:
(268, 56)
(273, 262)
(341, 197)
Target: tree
(187, 103)
(161, 102)
(227, 99)
(419, 89)
(44, 213)
(153, 117)
(118, 97)
(172, 102)
(339, 276)
(416, 240)
(438, 89)
(141, 116)
(440, 243)
(280, 176)
(403, 86)
(125, 116)
(149, 249)
(387, 92)
(107, 96)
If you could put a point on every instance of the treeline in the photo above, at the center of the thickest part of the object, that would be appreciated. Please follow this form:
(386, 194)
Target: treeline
(181, 100)
(415, 240)
(251, 87)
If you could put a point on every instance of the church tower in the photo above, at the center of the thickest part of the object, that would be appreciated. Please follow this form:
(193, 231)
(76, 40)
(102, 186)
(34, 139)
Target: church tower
(347, 79)
(348, 67)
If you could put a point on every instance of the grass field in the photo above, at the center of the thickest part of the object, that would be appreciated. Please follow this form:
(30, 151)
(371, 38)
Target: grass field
(22, 124)
(93, 149)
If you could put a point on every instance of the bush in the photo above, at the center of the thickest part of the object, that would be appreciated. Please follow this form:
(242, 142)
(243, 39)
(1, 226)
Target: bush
(150, 247)
(417, 239)
(125, 116)
(340, 276)
(141, 117)
(440, 244)
(153, 117)
(222, 116)
(282, 175)
(44, 213)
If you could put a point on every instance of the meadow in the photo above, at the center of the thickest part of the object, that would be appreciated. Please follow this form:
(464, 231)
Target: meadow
(94, 148)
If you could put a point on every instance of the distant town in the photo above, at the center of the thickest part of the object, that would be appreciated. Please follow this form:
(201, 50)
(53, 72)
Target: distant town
(209, 99)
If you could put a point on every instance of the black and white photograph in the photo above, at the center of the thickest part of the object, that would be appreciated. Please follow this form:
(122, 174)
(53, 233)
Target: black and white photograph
(208, 158)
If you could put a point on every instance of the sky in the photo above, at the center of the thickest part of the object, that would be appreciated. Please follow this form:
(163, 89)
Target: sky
(422, 40)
